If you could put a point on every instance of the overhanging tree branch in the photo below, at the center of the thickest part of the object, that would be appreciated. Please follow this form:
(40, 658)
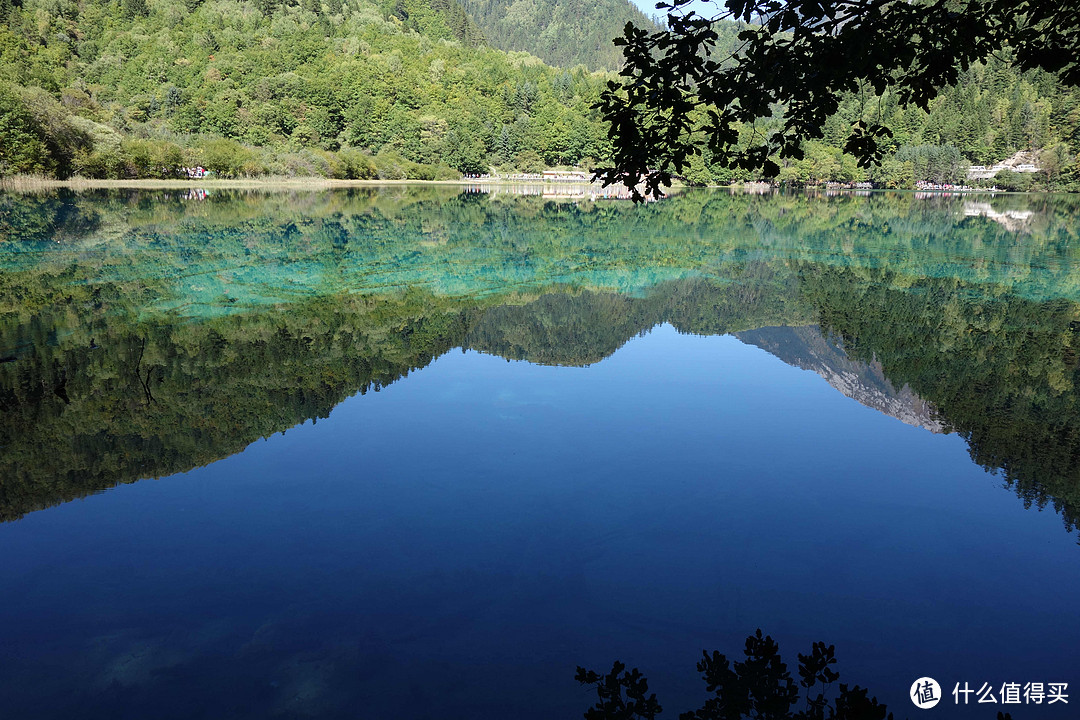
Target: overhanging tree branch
(675, 98)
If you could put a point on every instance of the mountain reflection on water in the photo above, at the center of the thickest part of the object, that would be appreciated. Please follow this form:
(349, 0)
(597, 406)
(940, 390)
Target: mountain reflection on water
(145, 334)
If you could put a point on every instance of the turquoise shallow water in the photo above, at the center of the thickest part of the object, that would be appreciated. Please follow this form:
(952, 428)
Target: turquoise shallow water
(410, 453)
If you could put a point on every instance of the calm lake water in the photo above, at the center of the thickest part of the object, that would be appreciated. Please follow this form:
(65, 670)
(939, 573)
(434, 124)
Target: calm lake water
(415, 453)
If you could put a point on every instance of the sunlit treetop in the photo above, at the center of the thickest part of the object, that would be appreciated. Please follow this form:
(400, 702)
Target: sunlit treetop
(683, 90)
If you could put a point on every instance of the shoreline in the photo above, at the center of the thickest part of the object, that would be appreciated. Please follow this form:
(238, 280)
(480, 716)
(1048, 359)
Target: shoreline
(552, 190)
(314, 183)
(22, 183)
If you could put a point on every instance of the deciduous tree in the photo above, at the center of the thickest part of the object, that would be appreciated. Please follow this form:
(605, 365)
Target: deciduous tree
(682, 92)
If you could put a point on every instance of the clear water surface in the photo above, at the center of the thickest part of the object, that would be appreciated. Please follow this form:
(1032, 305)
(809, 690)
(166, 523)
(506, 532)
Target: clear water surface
(415, 453)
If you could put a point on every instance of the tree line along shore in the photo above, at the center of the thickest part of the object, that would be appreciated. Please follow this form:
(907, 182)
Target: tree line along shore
(414, 90)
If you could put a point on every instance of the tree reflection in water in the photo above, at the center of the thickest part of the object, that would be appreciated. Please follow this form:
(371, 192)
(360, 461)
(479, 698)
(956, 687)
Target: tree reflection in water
(143, 336)
(758, 687)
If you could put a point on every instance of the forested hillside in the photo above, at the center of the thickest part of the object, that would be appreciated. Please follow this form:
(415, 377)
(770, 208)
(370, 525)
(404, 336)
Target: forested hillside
(993, 112)
(561, 32)
(343, 88)
(413, 89)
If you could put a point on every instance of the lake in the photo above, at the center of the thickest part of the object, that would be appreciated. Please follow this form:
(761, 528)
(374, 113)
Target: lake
(413, 452)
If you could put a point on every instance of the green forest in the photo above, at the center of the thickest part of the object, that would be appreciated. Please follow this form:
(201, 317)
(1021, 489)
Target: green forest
(425, 89)
(991, 114)
(345, 90)
(563, 33)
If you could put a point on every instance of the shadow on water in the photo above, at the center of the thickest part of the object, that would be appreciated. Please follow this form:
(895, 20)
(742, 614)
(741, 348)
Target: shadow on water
(758, 686)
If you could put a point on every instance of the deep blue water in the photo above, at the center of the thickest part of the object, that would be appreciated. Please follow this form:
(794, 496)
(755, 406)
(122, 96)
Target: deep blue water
(455, 544)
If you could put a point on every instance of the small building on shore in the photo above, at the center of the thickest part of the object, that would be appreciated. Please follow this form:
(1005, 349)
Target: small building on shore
(570, 176)
(1024, 161)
